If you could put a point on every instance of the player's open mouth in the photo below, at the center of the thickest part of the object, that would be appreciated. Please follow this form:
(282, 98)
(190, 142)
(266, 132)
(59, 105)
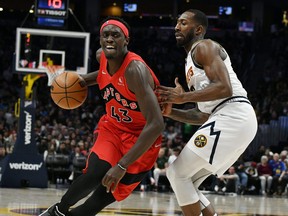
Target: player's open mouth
(110, 47)
(178, 35)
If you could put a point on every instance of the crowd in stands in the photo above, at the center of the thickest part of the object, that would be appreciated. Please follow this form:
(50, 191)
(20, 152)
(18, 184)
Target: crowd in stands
(70, 132)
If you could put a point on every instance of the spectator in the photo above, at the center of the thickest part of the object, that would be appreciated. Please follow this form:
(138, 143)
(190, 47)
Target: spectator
(2, 153)
(243, 177)
(283, 155)
(147, 181)
(73, 156)
(259, 153)
(253, 185)
(160, 167)
(63, 149)
(227, 182)
(278, 169)
(265, 175)
(175, 152)
(50, 151)
(171, 133)
(177, 141)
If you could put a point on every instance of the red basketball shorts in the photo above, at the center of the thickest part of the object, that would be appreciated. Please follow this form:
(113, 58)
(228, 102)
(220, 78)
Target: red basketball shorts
(111, 144)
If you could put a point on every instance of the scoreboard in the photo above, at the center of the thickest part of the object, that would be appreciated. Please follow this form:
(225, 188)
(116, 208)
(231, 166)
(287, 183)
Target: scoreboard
(52, 8)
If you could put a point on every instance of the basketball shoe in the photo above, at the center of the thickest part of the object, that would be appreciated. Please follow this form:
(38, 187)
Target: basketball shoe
(52, 211)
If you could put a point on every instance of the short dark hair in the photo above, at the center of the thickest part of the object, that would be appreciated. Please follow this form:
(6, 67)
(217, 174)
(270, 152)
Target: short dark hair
(118, 19)
(199, 17)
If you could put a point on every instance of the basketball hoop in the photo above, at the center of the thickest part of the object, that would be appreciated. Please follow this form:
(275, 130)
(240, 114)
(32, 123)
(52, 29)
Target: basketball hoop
(53, 71)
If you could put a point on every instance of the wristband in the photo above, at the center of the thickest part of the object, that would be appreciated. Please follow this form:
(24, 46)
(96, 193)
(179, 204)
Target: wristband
(121, 167)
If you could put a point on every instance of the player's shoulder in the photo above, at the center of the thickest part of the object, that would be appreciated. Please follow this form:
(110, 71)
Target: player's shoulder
(98, 54)
(135, 62)
(205, 47)
(136, 68)
(207, 43)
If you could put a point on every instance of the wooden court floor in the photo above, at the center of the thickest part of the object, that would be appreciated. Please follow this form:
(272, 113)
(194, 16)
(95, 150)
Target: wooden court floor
(32, 201)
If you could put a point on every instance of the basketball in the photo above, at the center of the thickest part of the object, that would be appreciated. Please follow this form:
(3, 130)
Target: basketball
(67, 90)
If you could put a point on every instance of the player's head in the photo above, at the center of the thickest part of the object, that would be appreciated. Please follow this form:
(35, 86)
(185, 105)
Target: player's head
(114, 37)
(191, 26)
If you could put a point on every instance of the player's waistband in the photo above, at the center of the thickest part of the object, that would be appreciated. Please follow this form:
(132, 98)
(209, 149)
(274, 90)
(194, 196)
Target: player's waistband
(240, 99)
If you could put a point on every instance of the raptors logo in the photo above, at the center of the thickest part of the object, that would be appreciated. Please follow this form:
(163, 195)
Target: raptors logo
(200, 141)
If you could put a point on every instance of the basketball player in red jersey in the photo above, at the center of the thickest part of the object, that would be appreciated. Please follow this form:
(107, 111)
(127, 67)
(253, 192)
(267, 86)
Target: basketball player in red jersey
(128, 136)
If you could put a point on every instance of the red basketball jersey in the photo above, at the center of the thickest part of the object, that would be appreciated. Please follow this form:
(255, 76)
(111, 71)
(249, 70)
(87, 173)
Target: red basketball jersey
(121, 106)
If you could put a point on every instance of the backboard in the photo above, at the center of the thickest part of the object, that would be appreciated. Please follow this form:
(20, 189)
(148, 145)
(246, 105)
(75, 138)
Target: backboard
(38, 48)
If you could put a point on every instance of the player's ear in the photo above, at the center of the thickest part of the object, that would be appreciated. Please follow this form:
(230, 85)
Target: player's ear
(199, 30)
(127, 39)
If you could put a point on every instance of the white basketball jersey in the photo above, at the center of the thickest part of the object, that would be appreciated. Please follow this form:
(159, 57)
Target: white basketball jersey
(196, 79)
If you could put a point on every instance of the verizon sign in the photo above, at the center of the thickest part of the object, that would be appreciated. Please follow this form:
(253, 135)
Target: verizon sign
(28, 128)
(25, 166)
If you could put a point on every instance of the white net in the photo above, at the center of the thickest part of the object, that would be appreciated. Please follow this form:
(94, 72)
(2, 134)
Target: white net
(53, 71)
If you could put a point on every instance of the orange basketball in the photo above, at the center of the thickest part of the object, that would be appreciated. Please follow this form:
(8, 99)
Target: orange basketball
(67, 90)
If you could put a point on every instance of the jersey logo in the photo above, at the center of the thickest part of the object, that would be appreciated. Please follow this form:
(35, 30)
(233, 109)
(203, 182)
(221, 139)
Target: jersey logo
(158, 145)
(120, 81)
(103, 72)
(189, 74)
(200, 141)
(109, 92)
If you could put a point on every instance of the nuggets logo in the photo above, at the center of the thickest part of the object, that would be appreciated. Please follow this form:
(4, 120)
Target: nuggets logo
(189, 74)
(200, 141)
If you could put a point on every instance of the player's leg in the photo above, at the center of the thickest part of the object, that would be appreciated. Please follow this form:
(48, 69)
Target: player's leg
(181, 177)
(85, 183)
(206, 207)
(94, 204)
(81, 187)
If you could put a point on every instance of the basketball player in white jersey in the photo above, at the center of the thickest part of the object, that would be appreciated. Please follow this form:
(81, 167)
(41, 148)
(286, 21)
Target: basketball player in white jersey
(228, 121)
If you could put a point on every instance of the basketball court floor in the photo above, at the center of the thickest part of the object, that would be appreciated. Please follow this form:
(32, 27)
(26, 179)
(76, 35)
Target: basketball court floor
(32, 201)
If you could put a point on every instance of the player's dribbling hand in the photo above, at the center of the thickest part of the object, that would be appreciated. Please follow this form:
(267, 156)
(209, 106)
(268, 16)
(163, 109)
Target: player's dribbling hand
(112, 178)
(170, 95)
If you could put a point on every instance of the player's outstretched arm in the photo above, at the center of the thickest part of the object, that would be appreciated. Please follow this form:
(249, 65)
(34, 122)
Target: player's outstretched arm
(191, 116)
(90, 78)
(209, 55)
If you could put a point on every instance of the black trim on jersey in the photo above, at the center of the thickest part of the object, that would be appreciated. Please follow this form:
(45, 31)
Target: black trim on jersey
(200, 66)
(110, 97)
(231, 99)
(195, 63)
(212, 133)
(130, 178)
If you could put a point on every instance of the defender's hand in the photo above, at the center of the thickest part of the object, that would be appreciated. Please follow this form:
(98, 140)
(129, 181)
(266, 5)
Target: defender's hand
(170, 95)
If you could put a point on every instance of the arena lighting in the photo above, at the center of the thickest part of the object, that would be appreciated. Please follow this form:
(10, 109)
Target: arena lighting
(285, 18)
(1, 9)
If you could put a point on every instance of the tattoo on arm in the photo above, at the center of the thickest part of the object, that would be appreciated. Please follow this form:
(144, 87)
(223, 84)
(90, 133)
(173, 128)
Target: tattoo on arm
(191, 116)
